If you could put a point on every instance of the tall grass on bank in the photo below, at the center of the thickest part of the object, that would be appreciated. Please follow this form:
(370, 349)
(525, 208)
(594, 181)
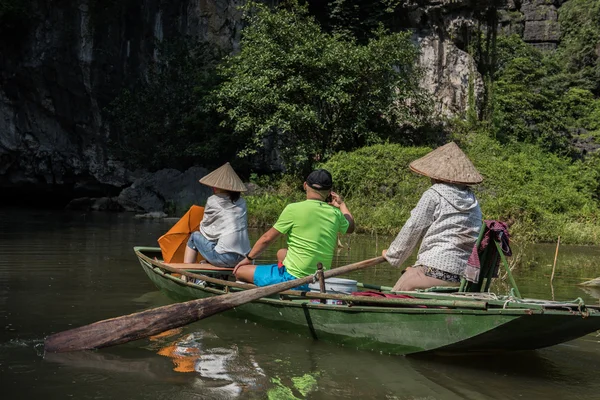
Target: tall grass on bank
(273, 194)
(538, 194)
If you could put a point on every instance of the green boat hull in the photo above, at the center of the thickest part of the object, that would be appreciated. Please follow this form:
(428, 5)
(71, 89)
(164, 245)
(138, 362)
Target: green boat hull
(396, 330)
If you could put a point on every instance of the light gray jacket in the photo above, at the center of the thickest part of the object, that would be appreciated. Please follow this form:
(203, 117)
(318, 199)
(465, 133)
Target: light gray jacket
(227, 224)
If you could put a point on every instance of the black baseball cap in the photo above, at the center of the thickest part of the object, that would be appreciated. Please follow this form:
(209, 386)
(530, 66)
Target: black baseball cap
(319, 179)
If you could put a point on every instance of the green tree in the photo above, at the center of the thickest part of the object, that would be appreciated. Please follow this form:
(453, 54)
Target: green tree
(314, 93)
(528, 106)
(580, 43)
(167, 121)
(537, 100)
(15, 17)
(360, 18)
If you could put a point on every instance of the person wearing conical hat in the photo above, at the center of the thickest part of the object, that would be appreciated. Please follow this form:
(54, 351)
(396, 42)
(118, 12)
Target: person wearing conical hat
(446, 220)
(223, 236)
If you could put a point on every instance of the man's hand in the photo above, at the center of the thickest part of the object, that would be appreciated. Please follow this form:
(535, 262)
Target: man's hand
(336, 200)
(245, 261)
(383, 252)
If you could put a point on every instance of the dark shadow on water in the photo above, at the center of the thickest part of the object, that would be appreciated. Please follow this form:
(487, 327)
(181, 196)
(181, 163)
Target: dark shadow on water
(547, 373)
(525, 364)
(134, 363)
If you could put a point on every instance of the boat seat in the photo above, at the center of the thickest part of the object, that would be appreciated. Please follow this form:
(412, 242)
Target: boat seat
(198, 267)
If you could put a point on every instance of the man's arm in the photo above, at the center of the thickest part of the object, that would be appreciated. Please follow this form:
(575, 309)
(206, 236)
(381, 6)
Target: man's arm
(348, 216)
(336, 201)
(261, 244)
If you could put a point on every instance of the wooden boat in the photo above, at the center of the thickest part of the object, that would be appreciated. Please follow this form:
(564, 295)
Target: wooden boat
(429, 321)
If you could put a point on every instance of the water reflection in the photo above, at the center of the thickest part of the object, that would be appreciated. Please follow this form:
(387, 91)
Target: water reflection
(548, 373)
(61, 269)
(214, 372)
(150, 367)
(219, 371)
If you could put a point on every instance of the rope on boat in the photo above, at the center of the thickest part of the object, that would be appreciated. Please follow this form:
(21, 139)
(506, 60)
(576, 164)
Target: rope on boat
(568, 305)
(315, 277)
(512, 298)
(478, 295)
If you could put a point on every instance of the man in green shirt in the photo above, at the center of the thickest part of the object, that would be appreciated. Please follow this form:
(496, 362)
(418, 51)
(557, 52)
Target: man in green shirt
(312, 227)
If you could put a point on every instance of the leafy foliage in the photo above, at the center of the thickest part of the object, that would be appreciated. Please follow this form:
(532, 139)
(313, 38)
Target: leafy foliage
(314, 93)
(14, 17)
(379, 187)
(379, 171)
(13, 9)
(535, 103)
(534, 180)
(360, 18)
(167, 121)
(541, 195)
(580, 43)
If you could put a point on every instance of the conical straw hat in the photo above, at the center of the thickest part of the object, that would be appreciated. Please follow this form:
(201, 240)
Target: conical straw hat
(449, 164)
(225, 178)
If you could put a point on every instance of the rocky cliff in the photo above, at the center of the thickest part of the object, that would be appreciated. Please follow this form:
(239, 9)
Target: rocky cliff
(66, 60)
(535, 20)
(63, 65)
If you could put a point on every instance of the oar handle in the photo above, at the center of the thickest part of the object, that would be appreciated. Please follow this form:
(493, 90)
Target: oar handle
(353, 267)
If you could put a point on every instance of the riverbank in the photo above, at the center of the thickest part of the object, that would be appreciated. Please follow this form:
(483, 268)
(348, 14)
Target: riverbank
(540, 195)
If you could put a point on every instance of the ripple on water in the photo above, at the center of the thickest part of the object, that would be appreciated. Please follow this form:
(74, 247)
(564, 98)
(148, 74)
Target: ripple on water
(21, 368)
(15, 343)
(204, 389)
(60, 268)
(90, 377)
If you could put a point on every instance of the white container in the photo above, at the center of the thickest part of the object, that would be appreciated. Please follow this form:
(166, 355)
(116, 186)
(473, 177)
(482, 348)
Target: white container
(335, 286)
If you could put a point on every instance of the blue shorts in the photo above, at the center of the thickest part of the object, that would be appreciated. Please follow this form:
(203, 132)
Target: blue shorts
(206, 248)
(265, 275)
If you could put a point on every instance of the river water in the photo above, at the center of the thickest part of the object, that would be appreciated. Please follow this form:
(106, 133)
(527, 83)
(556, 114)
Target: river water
(60, 269)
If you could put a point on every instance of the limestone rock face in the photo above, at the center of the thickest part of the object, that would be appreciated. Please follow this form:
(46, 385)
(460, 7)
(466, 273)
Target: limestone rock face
(539, 11)
(167, 189)
(542, 31)
(541, 27)
(450, 73)
(61, 69)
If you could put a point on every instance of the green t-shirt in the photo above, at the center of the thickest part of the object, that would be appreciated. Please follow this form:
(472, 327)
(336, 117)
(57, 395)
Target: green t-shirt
(312, 227)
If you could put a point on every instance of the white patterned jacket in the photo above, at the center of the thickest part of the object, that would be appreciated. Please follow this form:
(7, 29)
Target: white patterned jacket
(447, 219)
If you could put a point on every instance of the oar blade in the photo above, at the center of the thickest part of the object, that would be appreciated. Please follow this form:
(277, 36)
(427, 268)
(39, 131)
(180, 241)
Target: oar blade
(139, 325)
(126, 328)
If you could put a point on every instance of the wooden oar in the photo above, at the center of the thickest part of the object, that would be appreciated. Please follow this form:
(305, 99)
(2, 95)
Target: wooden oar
(110, 332)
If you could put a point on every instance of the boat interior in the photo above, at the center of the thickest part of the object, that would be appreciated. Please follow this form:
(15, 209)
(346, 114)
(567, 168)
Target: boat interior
(220, 280)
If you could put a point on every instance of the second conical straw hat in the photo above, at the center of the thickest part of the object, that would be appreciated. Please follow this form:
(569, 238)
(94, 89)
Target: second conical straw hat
(225, 178)
(447, 163)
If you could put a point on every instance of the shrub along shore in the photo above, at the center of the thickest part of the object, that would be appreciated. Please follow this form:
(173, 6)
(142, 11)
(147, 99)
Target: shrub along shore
(540, 195)
(342, 86)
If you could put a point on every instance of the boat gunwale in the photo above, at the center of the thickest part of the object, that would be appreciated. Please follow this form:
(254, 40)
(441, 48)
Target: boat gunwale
(304, 298)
